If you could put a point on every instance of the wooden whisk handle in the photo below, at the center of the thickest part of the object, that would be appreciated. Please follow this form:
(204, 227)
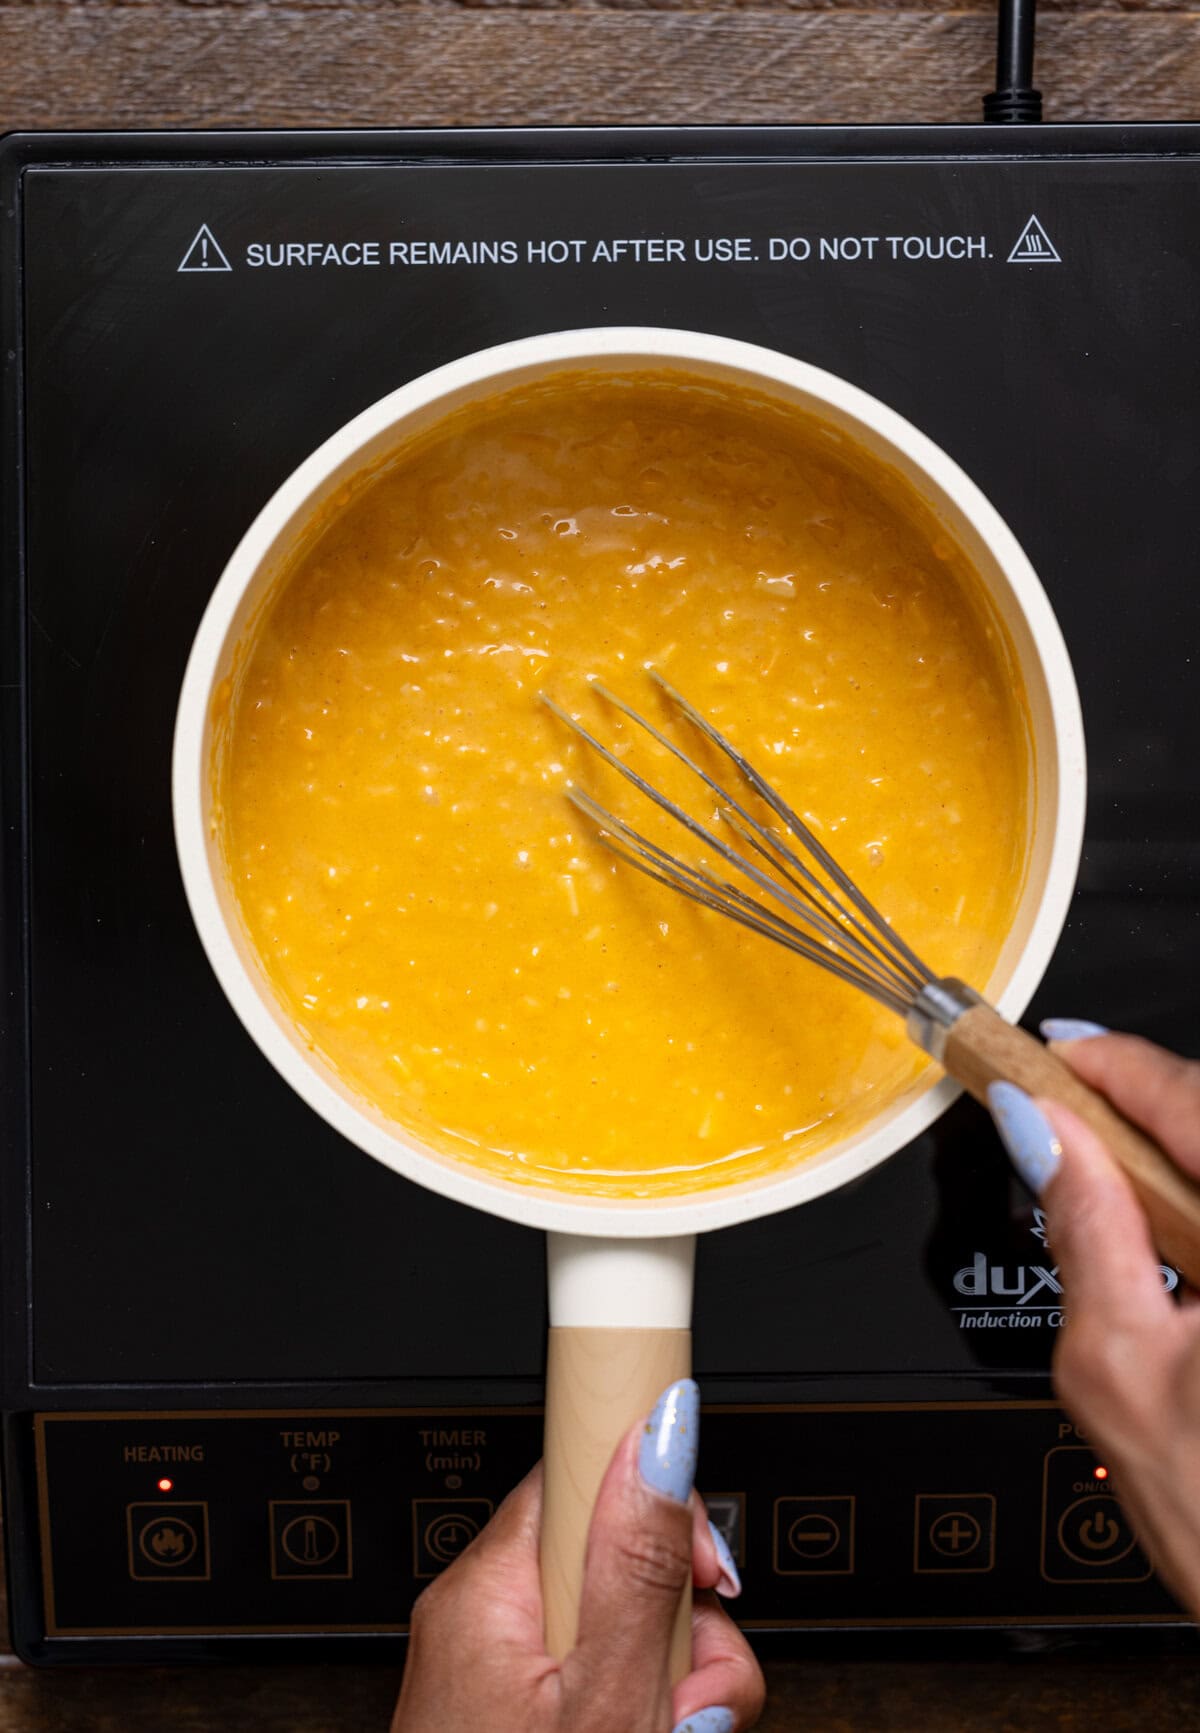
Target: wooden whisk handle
(981, 1048)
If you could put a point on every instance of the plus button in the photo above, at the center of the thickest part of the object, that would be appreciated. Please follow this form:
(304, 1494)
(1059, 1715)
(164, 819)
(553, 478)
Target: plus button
(957, 1534)
(954, 1532)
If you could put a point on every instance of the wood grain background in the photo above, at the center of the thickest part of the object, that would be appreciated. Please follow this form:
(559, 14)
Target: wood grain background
(241, 63)
(208, 63)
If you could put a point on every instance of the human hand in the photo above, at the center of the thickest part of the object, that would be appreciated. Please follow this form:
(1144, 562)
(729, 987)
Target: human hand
(1127, 1362)
(477, 1656)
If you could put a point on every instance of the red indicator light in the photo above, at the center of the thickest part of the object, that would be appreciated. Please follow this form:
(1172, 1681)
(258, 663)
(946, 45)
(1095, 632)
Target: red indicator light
(1101, 1473)
(165, 1485)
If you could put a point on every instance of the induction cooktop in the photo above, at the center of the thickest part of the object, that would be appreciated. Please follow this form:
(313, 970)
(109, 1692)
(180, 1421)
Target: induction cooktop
(259, 1390)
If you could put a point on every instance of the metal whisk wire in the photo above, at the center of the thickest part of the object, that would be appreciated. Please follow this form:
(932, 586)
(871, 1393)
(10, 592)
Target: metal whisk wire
(835, 926)
(853, 942)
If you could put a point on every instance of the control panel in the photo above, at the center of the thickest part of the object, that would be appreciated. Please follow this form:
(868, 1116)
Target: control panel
(855, 1515)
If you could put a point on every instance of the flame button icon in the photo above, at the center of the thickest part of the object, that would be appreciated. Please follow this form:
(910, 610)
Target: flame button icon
(168, 1542)
(171, 1543)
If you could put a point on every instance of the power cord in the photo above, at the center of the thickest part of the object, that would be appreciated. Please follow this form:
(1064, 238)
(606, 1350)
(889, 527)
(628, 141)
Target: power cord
(1014, 99)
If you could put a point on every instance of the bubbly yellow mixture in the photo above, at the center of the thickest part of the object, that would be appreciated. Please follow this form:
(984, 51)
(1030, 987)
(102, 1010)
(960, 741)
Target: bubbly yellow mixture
(446, 929)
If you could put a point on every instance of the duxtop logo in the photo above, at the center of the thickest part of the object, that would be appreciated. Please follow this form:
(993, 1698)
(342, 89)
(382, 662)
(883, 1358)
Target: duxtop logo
(1018, 1295)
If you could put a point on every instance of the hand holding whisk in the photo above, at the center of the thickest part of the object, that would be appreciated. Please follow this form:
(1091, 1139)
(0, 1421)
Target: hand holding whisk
(791, 890)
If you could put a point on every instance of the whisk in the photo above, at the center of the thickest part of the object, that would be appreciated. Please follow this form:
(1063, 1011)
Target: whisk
(791, 890)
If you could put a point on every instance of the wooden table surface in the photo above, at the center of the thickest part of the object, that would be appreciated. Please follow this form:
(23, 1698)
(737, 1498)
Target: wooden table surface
(75, 63)
(209, 63)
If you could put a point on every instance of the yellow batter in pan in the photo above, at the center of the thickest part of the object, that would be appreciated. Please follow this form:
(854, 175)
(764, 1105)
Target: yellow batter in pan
(439, 920)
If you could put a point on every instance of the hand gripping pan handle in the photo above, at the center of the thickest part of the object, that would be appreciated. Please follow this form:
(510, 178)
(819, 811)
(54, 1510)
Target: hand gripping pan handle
(620, 1332)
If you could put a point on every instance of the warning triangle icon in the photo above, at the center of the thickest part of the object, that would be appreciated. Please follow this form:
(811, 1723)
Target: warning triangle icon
(1034, 247)
(204, 254)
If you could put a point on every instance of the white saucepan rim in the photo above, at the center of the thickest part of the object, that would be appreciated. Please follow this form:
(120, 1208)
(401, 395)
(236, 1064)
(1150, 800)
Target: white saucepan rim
(501, 368)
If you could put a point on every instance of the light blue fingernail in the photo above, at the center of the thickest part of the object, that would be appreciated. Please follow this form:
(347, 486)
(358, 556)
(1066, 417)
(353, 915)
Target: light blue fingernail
(1027, 1134)
(1070, 1029)
(667, 1452)
(706, 1721)
(730, 1583)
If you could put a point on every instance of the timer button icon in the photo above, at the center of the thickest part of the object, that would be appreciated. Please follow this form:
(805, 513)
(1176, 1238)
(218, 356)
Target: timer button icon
(443, 1528)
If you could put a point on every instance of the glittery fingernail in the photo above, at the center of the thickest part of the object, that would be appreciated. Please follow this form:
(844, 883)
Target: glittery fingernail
(706, 1721)
(1070, 1029)
(730, 1583)
(667, 1452)
(1028, 1137)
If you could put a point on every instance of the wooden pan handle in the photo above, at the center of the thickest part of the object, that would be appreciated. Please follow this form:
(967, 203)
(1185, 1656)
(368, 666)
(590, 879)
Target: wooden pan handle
(981, 1048)
(598, 1382)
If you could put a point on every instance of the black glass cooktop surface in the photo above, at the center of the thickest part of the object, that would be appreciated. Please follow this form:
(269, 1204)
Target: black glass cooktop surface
(188, 332)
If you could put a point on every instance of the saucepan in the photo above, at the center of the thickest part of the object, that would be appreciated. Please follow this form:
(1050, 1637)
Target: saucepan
(620, 1271)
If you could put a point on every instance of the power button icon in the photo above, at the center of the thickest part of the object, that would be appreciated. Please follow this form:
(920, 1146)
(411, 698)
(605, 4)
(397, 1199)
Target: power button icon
(1093, 1531)
(1086, 1537)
